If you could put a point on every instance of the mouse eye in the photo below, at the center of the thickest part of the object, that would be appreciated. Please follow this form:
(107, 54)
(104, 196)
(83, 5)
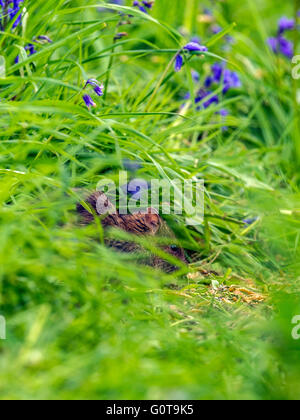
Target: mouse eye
(174, 247)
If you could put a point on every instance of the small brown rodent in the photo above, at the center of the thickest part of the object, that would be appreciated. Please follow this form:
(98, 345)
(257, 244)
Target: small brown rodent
(142, 224)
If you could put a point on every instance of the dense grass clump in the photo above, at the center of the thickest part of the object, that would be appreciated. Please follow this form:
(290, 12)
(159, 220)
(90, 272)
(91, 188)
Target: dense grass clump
(84, 321)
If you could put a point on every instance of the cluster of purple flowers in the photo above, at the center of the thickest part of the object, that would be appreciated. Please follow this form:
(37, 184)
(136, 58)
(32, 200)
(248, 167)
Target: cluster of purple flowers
(191, 47)
(98, 89)
(143, 5)
(279, 44)
(205, 97)
(220, 74)
(10, 10)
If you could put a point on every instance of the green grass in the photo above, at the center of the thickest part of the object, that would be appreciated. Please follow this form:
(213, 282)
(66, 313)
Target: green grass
(85, 322)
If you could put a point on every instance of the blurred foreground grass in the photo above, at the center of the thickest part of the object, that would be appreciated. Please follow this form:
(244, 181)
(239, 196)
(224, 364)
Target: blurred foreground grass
(85, 322)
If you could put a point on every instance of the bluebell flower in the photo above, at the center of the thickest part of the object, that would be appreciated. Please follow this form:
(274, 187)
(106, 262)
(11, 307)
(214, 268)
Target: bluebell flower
(286, 24)
(223, 113)
(205, 96)
(216, 29)
(191, 47)
(230, 79)
(30, 48)
(44, 38)
(98, 88)
(202, 94)
(143, 5)
(286, 47)
(88, 101)
(217, 71)
(273, 44)
(279, 44)
(148, 3)
(120, 35)
(194, 46)
(13, 12)
(178, 63)
(195, 76)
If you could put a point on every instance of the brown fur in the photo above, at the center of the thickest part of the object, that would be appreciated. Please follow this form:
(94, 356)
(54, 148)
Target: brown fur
(141, 224)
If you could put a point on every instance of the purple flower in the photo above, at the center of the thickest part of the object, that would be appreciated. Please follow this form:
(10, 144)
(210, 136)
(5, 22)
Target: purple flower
(88, 101)
(217, 71)
(273, 44)
(216, 29)
(120, 35)
(13, 13)
(195, 76)
(285, 24)
(187, 96)
(279, 44)
(44, 38)
(136, 3)
(223, 113)
(178, 63)
(148, 3)
(286, 47)
(30, 48)
(98, 88)
(194, 46)
(202, 95)
(231, 81)
(191, 46)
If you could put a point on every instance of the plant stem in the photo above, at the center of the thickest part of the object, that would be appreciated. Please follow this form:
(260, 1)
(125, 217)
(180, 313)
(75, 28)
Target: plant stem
(160, 83)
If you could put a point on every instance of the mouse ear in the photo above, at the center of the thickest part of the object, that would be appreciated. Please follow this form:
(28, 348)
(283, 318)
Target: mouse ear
(98, 203)
(103, 205)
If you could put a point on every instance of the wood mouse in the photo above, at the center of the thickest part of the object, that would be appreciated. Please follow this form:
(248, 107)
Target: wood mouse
(142, 224)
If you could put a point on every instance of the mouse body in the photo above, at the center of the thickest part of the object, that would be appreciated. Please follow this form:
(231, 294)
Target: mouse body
(148, 223)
